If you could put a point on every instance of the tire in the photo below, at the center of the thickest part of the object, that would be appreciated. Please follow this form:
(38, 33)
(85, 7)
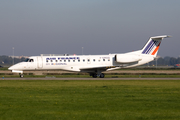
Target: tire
(21, 76)
(94, 75)
(101, 75)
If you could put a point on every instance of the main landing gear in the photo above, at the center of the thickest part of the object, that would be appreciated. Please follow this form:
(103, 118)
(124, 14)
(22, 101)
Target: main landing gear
(94, 75)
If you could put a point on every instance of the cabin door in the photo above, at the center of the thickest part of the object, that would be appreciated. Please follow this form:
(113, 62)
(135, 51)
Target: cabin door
(39, 62)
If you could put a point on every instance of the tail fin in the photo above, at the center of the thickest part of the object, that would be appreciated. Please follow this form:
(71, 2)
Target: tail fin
(152, 46)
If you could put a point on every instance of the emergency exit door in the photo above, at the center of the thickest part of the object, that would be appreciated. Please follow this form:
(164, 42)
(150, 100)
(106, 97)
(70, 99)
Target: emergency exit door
(39, 62)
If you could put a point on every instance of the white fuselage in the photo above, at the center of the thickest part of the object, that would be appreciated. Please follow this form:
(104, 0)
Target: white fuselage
(77, 63)
(93, 64)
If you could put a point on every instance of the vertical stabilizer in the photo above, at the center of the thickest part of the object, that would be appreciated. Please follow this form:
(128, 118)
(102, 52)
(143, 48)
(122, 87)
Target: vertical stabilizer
(153, 44)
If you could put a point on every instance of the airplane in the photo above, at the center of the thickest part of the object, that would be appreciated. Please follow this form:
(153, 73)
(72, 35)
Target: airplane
(92, 64)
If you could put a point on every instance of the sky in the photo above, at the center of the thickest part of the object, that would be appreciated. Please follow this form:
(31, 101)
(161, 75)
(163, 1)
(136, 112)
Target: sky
(35, 27)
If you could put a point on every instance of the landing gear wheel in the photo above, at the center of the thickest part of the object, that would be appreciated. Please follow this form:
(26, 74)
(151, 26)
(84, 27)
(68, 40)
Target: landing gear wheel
(94, 75)
(21, 75)
(101, 75)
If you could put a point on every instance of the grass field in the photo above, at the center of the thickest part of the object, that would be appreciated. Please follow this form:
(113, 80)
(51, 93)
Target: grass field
(90, 100)
(87, 76)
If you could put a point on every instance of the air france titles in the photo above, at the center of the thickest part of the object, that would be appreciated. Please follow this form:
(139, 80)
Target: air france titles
(57, 60)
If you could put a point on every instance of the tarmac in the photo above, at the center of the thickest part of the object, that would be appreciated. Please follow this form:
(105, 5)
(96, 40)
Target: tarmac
(59, 72)
(53, 78)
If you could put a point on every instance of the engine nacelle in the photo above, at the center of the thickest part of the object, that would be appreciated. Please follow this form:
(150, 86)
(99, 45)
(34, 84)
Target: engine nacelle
(123, 58)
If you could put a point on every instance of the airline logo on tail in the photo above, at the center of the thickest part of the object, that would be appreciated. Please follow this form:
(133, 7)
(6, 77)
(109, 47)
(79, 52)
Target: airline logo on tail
(152, 47)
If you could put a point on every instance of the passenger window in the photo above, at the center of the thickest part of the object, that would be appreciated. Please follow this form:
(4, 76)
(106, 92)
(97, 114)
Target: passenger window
(56, 60)
(46, 60)
(83, 60)
(94, 60)
(64, 60)
(78, 60)
(60, 60)
(73, 60)
(103, 59)
(68, 60)
(51, 60)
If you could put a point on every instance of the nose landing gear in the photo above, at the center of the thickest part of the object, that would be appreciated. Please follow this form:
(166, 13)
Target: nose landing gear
(21, 75)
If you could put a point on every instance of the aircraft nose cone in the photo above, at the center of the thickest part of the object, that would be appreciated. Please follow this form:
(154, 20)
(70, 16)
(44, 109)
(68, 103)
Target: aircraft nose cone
(10, 68)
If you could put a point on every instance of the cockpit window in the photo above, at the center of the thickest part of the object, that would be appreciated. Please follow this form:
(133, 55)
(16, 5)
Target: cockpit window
(31, 60)
(27, 60)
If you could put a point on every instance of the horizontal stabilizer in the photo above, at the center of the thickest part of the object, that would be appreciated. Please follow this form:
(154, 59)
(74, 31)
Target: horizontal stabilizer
(160, 37)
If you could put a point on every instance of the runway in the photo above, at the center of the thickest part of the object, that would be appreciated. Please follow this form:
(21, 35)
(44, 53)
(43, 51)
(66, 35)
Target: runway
(51, 78)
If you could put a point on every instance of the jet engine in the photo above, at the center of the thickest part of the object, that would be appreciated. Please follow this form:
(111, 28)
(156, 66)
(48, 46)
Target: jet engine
(123, 58)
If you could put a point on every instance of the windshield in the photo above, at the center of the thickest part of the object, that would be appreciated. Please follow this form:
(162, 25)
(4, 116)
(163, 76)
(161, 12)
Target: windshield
(27, 60)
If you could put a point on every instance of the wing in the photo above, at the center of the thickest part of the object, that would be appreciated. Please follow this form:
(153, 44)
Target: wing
(96, 68)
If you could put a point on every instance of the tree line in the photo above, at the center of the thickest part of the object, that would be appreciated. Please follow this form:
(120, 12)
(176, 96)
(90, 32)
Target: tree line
(7, 60)
(166, 61)
(170, 61)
